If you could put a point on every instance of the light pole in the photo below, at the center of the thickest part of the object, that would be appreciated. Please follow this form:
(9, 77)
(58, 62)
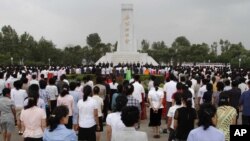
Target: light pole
(11, 59)
(239, 62)
(49, 61)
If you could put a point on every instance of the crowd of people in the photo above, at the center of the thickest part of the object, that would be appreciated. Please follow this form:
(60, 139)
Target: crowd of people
(46, 106)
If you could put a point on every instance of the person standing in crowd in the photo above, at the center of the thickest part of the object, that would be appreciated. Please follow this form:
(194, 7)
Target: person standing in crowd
(61, 83)
(57, 130)
(113, 120)
(33, 126)
(170, 115)
(66, 99)
(88, 116)
(216, 95)
(208, 95)
(44, 94)
(33, 80)
(115, 95)
(139, 94)
(206, 130)
(243, 86)
(184, 117)
(234, 97)
(226, 116)
(155, 98)
(99, 101)
(227, 85)
(132, 101)
(169, 89)
(25, 83)
(8, 115)
(244, 102)
(18, 96)
(202, 90)
(76, 97)
(130, 116)
(2, 83)
(89, 81)
(53, 93)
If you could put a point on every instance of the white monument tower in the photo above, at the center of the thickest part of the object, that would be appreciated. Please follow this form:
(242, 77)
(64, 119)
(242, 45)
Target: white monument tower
(127, 49)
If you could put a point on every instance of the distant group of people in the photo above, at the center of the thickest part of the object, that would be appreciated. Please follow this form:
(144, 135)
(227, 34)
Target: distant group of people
(49, 107)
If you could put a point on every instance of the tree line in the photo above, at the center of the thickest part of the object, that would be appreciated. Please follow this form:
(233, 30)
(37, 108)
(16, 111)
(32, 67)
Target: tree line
(24, 49)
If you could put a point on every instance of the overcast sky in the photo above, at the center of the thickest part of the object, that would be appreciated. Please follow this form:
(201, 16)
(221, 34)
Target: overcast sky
(69, 22)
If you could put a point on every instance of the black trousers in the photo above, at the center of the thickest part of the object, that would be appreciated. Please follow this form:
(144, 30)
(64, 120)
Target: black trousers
(87, 134)
(33, 139)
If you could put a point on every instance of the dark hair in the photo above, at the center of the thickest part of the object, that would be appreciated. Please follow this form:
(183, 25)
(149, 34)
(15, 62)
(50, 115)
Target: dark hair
(179, 86)
(65, 90)
(235, 83)
(119, 88)
(220, 86)
(209, 87)
(152, 77)
(18, 84)
(187, 98)
(99, 80)
(223, 100)
(137, 77)
(96, 90)
(204, 81)
(227, 82)
(156, 84)
(72, 86)
(24, 80)
(87, 91)
(6, 91)
(33, 76)
(1, 75)
(42, 84)
(56, 116)
(205, 115)
(52, 81)
(129, 89)
(121, 102)
(33, 95)
(130, 115)
(42, 75)
(177, 98)
(189, 83)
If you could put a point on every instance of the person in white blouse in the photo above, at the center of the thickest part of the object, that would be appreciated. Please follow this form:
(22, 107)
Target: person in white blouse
(155, 97)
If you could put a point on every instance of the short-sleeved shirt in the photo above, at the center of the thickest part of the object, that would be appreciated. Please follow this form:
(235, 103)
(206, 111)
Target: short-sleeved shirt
(76, 96)
(99, 101)
(68, 101)
(44, 94)
(18, 97)
(171, 113)
(210, 134)
(156, 97)
(53, 91)
(170, 89)
(5, 109)
(61, 133)
(86, 112)
(133, 102)
(114, 120)
(185, 118)
(138, 91)
(33, 124)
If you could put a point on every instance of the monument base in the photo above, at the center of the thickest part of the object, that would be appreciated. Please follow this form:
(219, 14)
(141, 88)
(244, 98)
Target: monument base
(127, 57)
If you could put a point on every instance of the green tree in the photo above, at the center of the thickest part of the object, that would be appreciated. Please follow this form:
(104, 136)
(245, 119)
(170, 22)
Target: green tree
(93, 40)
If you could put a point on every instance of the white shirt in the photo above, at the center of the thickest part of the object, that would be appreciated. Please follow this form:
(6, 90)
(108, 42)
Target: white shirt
(211, 134)
(18, 97)
(113, 86)
(33, 81)
(171, 113)
(2, 85)
(156, 97)
(99, 101)
(86, 112)
(243, 87)
(201, 92)
(130, 134)
(53, 91)
(170, 89)
(138, 91)
(114, 120)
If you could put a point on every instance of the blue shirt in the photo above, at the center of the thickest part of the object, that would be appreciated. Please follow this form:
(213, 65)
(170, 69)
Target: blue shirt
(244, 100)
(61, 133)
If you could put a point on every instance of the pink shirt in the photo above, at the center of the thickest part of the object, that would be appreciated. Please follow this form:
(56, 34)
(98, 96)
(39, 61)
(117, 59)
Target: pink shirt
(32, 119)
(68, 101)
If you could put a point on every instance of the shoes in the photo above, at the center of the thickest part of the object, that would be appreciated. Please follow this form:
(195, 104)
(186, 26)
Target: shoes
(20, 133)
(157, 136)
(165, 131)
